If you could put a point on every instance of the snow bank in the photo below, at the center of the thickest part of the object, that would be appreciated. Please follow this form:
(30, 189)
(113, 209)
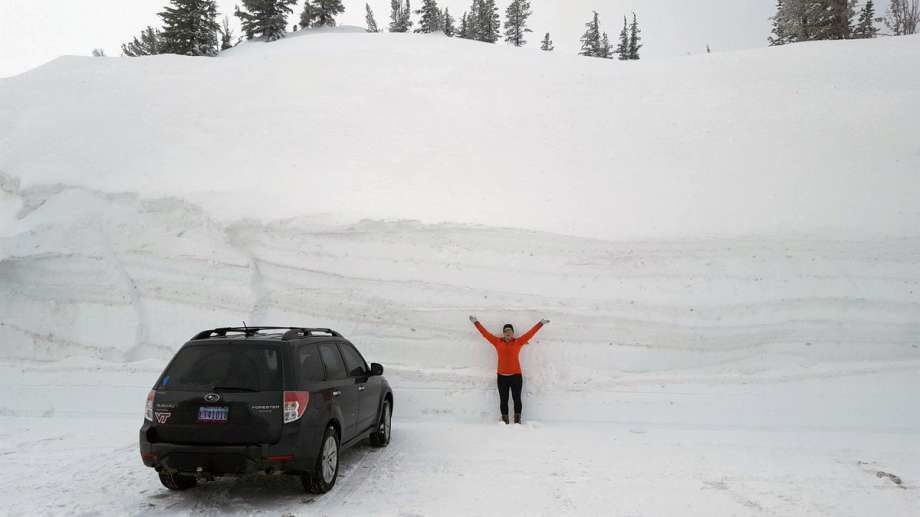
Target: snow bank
(814, 139)
(145, 199)
(119, 277)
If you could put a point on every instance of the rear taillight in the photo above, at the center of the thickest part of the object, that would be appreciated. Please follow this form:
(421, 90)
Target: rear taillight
(148, 408)
(295, 403)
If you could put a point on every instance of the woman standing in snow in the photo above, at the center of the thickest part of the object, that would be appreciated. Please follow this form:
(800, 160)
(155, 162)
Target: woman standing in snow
(510, 377)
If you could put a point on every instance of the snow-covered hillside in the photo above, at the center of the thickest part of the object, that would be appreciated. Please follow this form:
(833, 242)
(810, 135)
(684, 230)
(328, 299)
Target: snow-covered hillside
(727, 247)
(810, 139)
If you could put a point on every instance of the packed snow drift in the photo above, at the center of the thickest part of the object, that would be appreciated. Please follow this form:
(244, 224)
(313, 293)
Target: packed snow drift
(813, 139)
(727, 246)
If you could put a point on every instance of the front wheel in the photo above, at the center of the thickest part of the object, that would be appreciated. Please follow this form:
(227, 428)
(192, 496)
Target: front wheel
(178, 481)
(326, 470)
(381, 437)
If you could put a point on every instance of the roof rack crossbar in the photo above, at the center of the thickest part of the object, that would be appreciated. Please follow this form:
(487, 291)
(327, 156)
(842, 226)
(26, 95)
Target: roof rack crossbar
(292, 332)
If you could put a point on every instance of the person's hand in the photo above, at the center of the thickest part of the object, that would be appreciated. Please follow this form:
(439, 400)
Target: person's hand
(544, 321)
(473, 319)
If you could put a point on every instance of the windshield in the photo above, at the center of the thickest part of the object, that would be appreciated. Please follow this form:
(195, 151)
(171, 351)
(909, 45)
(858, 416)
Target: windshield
(224, 367)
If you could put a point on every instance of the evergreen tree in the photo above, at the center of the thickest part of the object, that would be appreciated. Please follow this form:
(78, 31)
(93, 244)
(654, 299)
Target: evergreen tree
(808, 20)
(591, 39)
(838, 21)
(865, 25)
(448, 23)
(472, 20)
(464, 30)
(324, 12)
(793, 21)
(606, 49)
(516, 22)
(395, 9)
(406, 16)
(634, 39)
(190, 27)
(306, 16)
(429, 17)
(779, 34)
(547, 44)
(623, 46)
(98, 52)
(149, 44)
(369, 17)
(488, 25)
(226, 35)
(265, 19)
(400, 16)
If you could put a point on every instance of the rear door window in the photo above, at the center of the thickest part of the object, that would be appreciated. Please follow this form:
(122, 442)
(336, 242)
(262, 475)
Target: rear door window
(335, 368)
(311, 365)
(224, 366)
(354, 363)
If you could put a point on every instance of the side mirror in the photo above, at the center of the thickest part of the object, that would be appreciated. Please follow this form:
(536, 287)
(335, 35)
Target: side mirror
(376, 369)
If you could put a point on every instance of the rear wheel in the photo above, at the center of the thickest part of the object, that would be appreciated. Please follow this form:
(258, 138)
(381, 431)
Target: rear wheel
(326, 470)
(381, 437)
(178, 481)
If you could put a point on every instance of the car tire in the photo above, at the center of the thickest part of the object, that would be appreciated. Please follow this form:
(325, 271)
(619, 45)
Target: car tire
(381, 437)
(178, 481)
(326, 470)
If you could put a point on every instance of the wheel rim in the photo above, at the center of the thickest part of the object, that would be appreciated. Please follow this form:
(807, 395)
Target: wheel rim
(386, 423)
(330, 459)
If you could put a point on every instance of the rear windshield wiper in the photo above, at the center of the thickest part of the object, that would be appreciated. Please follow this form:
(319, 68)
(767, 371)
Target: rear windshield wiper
(233, 388)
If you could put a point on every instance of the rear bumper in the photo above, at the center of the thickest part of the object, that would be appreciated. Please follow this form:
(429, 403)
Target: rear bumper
(221, 460)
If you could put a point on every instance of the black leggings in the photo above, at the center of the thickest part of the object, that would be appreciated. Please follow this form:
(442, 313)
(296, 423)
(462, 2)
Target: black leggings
(514, 383)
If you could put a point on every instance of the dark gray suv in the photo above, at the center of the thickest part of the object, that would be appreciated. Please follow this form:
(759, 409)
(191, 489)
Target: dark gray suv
(263, 399)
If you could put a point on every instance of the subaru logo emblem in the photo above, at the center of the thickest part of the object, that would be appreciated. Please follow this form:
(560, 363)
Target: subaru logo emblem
(212, 397)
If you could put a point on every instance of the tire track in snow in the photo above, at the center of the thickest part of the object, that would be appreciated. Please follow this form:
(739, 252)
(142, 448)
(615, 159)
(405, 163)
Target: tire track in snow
(371, 462)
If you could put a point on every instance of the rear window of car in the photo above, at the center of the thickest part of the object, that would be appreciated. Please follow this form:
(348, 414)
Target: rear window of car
(227, 366)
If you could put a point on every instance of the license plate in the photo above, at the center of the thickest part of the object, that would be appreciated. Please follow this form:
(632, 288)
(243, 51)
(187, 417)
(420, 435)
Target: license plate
(213, 414)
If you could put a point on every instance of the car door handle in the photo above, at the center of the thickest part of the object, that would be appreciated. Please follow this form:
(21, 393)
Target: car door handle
(362, 388)
(336, 393)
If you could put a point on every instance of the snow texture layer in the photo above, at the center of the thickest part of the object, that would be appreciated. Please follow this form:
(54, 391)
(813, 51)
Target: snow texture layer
(814, 139)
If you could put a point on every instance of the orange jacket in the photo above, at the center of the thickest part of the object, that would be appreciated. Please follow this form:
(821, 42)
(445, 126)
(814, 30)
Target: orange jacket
(508, 362)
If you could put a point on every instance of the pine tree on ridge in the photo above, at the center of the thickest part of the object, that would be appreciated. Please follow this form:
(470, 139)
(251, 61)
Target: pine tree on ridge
(369, 18)
(190, 28)
(266, 19)
(149, 44)
(516, 22)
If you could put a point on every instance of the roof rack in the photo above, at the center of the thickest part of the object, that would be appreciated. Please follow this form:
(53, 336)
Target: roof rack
(292, 332)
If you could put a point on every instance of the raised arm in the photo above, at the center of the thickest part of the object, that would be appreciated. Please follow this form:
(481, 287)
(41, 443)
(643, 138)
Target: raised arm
(524, 339)
(485, 333)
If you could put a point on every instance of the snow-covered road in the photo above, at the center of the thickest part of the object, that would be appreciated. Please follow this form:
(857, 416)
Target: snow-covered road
(810, 446)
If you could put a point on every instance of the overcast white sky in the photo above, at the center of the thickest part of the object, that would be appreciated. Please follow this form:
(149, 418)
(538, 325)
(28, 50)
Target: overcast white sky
(33, 32)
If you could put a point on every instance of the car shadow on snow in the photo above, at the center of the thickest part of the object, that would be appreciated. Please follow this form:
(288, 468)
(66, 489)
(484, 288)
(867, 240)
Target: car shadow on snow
(251, 492)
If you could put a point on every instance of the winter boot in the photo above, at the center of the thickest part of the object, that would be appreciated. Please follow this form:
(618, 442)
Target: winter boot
(505, 418)
(517, 418)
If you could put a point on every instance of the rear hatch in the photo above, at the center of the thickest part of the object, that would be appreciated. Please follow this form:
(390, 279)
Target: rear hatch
(221, 393)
